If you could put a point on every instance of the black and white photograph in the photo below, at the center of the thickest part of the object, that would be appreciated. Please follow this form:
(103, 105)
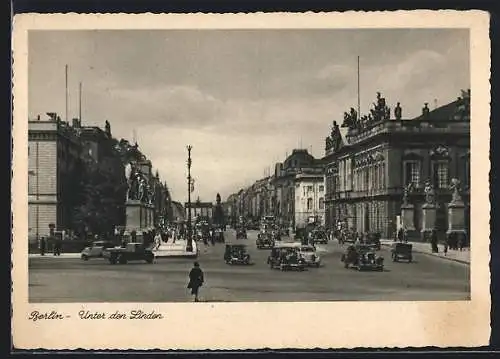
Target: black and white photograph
(250, 165)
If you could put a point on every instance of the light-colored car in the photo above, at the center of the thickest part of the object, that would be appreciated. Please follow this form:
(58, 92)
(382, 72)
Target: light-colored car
(311, 257)
(95, 250)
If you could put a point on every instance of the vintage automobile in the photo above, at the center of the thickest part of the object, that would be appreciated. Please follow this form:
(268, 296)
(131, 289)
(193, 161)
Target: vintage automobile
(286, 257)
(95, 250)
(131, 252)
(320, 237)
(219, 235)
(373, 240)
(362, 257)
(264, 240)
(310, 256)
(285, 232)
(236, 254)
(401, 251)
(241, 233)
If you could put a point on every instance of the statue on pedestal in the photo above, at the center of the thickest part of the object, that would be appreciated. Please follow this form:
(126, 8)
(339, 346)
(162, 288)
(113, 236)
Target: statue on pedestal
(425, 109)
(455, 187)
(429, 192)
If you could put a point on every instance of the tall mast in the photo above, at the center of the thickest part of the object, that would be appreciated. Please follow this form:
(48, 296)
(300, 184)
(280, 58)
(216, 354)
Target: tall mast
(66, 91)
(80, 102)
(359, 113)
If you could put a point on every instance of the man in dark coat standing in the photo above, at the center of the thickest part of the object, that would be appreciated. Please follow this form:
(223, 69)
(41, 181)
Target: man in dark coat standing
(195, 280)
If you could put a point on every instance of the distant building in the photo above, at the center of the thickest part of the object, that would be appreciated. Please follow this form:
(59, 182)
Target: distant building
(299, 189)
(178, 212)
(199, 210)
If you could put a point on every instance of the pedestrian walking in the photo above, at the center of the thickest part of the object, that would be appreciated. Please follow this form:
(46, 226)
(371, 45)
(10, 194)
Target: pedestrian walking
(57, 246)
(196, 280)
(43, 245)
(434, 241)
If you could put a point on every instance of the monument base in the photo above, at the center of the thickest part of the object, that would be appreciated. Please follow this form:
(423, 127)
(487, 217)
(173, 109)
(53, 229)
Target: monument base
(407, 217)
(428, 221)
(456, 217)
(139, 219)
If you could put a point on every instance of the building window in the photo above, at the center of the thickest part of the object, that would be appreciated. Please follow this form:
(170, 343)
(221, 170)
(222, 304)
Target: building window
(309, 204)
(321, 203)
(440, 174)
(412, 173)
(321, 188)
(309, 188)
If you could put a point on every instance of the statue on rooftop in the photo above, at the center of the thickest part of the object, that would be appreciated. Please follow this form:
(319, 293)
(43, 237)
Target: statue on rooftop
(398, 112)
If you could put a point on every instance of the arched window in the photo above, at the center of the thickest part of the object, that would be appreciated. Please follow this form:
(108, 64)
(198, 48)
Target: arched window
(309, 204)
(321, 203)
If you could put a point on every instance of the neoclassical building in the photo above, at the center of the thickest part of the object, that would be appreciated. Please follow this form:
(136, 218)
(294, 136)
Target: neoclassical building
(370, 160)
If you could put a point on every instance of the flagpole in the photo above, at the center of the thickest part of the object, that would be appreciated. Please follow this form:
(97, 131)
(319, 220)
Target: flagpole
(80, 102)
(359, 111)
(66, 89)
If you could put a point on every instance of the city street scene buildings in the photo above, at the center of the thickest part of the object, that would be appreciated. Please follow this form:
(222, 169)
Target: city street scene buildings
(286, 168)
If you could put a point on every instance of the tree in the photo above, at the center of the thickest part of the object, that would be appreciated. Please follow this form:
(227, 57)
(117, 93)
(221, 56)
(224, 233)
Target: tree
(102, 195)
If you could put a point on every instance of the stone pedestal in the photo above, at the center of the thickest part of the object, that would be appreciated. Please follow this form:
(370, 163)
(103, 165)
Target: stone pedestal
(428, 221)
(456, 218)
(136, 220)
(407, 216)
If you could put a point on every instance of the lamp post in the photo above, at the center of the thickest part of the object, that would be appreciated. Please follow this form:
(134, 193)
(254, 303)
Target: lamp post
(189, 247)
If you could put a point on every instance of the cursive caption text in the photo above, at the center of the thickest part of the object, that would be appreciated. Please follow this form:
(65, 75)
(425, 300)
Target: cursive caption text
(95, 315)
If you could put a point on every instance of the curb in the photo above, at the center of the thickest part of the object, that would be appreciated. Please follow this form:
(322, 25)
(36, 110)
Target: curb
(433, 255)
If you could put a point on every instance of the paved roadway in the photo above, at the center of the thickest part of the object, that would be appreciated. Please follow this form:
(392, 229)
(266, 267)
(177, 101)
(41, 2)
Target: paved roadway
(72, 280)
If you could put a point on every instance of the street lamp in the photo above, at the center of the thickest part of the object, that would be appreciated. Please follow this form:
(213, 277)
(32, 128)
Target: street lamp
(189, 247)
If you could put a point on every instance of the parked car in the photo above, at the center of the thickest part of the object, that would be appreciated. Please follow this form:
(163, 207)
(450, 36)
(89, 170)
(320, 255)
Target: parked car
(96, 249)
(131, 252)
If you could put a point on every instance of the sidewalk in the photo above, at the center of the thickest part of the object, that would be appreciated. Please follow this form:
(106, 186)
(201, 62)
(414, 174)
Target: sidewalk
(177, 249)
(52, 256)
(425, 248)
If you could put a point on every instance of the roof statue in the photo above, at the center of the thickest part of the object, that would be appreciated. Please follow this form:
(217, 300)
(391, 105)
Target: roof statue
(398, 112)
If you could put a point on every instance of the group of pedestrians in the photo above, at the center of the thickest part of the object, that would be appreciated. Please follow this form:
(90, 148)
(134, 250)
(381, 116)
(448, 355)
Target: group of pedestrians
(56, 245)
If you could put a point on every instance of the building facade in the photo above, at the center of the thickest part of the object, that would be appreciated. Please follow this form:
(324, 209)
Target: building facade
(53, 152)
(370, 161)
(67, 166)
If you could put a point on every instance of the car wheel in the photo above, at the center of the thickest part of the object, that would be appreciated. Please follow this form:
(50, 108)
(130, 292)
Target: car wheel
(122, 260)
(85, 257)
(410, 260)
(112, 260)
(346, 265)
(317, 265)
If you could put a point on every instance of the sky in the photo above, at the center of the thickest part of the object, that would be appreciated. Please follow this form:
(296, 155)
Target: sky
(243, 99)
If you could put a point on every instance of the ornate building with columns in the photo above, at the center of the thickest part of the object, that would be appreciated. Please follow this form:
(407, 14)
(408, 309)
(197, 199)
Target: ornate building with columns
(371, 159)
